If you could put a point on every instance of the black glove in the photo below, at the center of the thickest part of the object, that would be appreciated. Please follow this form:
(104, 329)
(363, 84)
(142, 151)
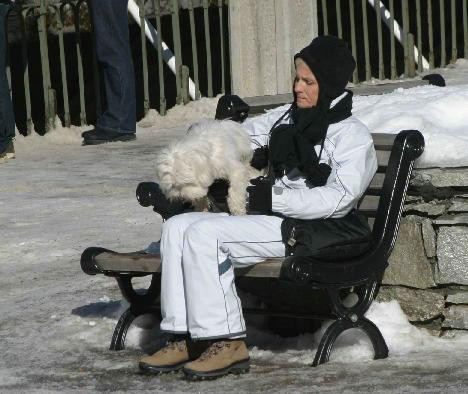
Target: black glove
(149, 193)
(218, 190)
(259, 202)
(318, 175)
(260, 158)
(217, 193)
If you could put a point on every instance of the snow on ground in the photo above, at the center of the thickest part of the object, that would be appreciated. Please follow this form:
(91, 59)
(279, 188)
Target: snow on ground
(57, 198)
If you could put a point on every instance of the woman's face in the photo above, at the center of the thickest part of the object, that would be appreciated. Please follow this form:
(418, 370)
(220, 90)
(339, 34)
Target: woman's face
(306, 87)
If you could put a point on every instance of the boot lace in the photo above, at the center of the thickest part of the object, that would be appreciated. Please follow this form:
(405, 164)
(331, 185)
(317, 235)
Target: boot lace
(180, 346)
(214, 349)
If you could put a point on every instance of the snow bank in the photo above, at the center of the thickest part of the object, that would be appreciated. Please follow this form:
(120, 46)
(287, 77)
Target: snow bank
(59, 135)
(439, 113)
(181, 114)
(402, 338)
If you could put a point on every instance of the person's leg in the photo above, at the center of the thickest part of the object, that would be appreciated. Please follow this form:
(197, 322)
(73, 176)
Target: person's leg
(7, 118)
(173, 309)
(174, 316)
(214, 311)
(110, 24)
(211, 248)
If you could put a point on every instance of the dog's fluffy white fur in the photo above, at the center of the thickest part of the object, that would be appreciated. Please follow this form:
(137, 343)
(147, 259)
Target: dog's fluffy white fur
(211, 150)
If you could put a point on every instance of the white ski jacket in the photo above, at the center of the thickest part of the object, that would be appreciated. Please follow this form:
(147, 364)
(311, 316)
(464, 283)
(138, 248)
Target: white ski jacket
(348, 149)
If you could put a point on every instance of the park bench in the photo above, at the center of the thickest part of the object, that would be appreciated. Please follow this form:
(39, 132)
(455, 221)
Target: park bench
(357, 278)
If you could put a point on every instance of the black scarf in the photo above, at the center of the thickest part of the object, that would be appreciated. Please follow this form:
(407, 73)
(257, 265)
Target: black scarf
(292, 145)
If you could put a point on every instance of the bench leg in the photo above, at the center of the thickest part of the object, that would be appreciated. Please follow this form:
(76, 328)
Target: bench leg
(140, 304)
(328, 340)
(120, 331)
(125, 321)
(331, 334)
(378, 341)
(351, 317)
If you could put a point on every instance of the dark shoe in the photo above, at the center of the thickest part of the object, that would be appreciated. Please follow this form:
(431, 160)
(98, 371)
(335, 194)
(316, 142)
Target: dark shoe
(85, 134)
(100, 136)
(8, 153)
(221, 358)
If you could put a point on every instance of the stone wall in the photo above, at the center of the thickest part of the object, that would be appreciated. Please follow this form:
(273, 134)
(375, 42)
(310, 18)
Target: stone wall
(428, 269)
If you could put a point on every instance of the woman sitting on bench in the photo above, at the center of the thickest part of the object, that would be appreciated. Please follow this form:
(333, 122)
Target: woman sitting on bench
(321, 160)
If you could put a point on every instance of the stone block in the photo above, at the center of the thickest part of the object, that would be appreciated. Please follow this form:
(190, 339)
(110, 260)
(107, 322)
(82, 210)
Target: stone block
(452, 220)
(432, 208)
(412, 199)
(429, 237)
(441, 177)
(433, 327)
(452, 255)
(418, 305)
(457, 296)
(456, 316)
(408, 264)
(458, 206)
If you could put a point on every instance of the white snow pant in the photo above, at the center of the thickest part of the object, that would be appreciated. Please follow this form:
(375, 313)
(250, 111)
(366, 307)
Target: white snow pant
(198, 251)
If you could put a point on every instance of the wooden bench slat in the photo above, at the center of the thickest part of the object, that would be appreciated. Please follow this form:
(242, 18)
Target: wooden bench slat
(377, 182)
(369, 203)
(128, 262)
(383, 141)
(151, 263)
(382, 158)
(267, 269)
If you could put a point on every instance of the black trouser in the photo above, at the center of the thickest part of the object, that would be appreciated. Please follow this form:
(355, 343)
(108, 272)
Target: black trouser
(7, 118)
(110, 22)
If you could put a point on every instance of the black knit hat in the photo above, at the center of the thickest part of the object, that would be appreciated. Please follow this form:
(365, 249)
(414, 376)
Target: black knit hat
(331, 62)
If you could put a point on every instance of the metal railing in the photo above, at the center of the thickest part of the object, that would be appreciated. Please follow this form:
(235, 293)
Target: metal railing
(407, 29)
(47, 24)
(58, 70)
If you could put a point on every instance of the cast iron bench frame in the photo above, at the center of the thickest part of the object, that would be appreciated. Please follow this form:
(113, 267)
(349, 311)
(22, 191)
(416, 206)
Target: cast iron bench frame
(382, 203)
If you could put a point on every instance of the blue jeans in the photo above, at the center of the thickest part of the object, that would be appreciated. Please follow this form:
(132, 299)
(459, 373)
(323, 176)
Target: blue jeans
(110, 23)
(7, 118)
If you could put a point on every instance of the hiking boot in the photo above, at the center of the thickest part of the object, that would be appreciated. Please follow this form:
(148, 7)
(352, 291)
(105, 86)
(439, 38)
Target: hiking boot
(172, 357)
(221, 358)
(101, 136)
(8, 153)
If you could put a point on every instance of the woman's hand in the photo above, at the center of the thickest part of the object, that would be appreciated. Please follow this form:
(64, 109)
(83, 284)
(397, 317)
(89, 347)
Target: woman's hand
(259, 200)
(260, 158)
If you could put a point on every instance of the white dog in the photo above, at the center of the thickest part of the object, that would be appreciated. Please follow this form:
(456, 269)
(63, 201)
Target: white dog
(212, 149)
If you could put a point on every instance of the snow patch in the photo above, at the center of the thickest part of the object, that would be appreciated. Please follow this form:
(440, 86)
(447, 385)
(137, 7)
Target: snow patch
(204, 108)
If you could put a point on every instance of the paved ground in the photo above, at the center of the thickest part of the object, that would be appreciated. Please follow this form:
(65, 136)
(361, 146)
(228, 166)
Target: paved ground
(56, 322)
